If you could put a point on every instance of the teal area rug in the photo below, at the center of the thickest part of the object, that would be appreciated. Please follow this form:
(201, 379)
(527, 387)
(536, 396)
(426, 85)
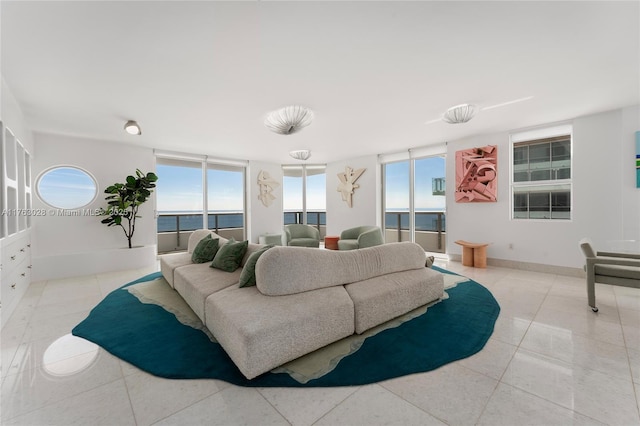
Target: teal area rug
(147, 324)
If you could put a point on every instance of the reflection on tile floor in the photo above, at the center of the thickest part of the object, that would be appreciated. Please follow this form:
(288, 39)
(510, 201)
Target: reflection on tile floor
(550, 361)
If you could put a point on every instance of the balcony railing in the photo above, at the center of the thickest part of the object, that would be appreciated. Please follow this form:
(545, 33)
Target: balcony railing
(174, 228)
(430, 229)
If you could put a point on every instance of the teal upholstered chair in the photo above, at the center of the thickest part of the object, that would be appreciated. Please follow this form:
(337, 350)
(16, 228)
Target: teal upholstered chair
(301, 235)
(621, 269)
(360, 237)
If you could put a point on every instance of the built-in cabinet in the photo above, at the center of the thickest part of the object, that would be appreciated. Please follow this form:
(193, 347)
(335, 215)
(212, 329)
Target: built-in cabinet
(15, 222)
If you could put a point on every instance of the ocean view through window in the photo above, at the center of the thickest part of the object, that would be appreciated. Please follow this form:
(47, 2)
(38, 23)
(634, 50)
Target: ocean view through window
(185, 187)
(415, 203)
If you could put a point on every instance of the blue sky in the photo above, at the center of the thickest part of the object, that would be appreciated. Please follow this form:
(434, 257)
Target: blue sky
(397, 184)
(180, 188)
(67, 188)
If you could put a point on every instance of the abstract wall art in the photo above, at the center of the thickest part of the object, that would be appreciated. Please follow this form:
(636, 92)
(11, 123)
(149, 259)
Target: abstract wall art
(348, 183)
(477, 174)
(267, 185)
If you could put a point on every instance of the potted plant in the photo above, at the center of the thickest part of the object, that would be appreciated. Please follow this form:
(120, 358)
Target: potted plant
(125, 199)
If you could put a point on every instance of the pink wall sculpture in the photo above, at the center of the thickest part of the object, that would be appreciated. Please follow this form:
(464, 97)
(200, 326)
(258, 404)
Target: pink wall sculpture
(476, 174)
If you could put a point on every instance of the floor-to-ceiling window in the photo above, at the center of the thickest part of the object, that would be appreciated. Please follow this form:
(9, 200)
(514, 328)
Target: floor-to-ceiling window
(397, 182)
(188, 183)
(414, 197)
(429, 204)
(225, 200)
(304, 195)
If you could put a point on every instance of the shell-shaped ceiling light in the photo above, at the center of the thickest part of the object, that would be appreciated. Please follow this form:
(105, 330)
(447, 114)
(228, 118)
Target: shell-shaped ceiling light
(460, 114)
(301, 154)
(288, 120)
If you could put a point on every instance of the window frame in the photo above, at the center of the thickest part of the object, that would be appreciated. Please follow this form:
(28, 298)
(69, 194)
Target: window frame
(547, 135)
(66, 166)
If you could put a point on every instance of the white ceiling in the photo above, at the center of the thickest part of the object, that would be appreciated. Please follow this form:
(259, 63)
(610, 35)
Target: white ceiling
(199, 77)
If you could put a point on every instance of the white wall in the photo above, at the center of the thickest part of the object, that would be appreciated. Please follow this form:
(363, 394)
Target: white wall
(262, 219)
(630, 194)
(13, 118)
(71, 245)
(366, 199)
(605, 201)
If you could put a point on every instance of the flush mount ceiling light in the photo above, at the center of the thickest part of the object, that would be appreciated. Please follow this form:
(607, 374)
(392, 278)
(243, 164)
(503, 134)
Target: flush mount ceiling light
(132, 128)
(301, 154)
(459, 113)
(288, 120)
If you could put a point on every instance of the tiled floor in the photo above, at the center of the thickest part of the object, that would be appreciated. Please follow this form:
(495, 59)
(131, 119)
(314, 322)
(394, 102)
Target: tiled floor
(550, 361)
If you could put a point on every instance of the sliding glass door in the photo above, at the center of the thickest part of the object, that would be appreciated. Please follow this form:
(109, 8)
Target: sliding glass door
(225, 200)
(304, 189)
(414, 201)
(179, 202)
(429, 203)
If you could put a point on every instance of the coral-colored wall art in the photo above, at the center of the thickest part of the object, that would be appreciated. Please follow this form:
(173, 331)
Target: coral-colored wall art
(477, 175)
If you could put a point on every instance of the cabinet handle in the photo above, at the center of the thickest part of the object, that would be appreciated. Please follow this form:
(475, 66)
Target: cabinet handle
(13, 257)
(29, 266)
(24, 274)
(13, 286)
(29, 245)
(22, 250)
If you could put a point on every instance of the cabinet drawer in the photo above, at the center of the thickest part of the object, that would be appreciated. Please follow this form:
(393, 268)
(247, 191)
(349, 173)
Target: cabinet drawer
(14, 253)
(15, 282)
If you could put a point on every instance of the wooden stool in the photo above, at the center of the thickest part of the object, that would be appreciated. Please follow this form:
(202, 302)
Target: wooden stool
(473, 254)
(331, 243)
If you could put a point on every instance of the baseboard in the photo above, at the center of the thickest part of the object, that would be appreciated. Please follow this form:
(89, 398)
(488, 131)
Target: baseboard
(527, 266)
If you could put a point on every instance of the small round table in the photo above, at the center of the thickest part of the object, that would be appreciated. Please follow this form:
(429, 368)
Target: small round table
(331, 242)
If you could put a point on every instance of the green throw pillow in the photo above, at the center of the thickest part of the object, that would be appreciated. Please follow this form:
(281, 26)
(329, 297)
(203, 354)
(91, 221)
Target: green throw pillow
(206, 250)
(429, 262)
(229, 256)
(248, 275)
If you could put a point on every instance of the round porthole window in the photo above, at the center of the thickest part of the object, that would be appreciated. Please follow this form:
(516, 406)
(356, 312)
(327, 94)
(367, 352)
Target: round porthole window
(66, 187)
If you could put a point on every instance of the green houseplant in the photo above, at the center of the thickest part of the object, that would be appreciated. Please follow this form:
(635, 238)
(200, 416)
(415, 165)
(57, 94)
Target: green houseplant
(125, 199)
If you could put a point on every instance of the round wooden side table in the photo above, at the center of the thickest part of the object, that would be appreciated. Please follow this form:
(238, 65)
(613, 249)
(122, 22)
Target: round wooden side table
(331, 242)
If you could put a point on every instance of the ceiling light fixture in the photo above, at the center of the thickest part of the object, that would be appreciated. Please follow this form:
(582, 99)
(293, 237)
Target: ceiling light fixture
(288, 120)
(459, 113)
(301, 154)
(132, 128)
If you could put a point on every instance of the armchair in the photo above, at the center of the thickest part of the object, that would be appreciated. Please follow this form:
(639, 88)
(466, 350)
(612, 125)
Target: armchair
(301, 235)
(622, 269)
(360, 237)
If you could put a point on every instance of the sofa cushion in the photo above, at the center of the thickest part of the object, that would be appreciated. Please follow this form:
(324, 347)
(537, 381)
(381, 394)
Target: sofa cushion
(620, 271)
(260, 332)
(229, 256)
(348, 244)
(206, 250)
(248, 275)
(289, 270)
(380, 299)
(198, 281)
(304, 242)
(198, 235)
(169, 262)
(251, 248)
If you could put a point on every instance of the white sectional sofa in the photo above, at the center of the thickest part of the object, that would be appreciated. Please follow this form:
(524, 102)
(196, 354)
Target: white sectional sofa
(304, 298)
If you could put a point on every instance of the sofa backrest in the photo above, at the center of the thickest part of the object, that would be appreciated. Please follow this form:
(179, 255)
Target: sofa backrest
(290, 270)
(199, 234)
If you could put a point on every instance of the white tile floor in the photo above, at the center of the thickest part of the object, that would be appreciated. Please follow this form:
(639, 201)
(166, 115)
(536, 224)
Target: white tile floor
(550, 361)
